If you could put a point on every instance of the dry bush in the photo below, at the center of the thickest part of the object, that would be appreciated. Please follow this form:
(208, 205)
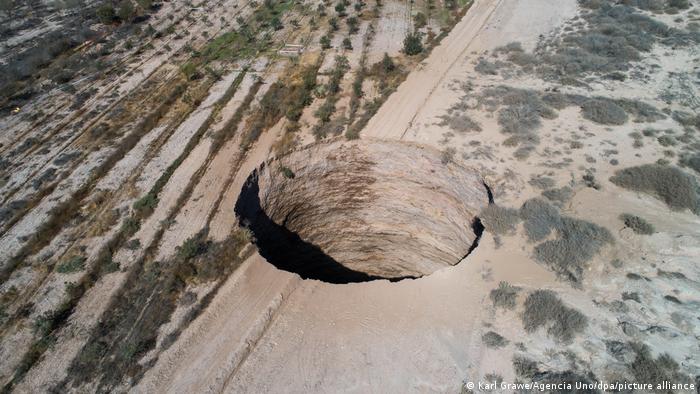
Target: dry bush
(460, 122)
(524, 367)
(523, 109)
(604, 111)
(576, 243)
(499, 220)
(544, 309)
(560, 195)
(542, 182)
(693, 162)
(486, 67)
(540, 218)
(494, 340)
(647, 369)
(504, 296)
(670, 184)
(637, 224)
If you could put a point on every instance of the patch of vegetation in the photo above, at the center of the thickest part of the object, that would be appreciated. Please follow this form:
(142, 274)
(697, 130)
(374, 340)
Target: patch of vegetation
(460, 122)
(448, 155)
(560, 195)
(637, 224)
(413, 44)
(332, 89)
(130, 327)
(692, 162)
(284, 98)
(614, 36)
(387, 75)
(576, 243)
(540, 219)
(647, 369)
(504, 296)
(72, 265)
(287, 172)
(544, 309)
(145, 205)
(522, 112)
(494, 340)
(669, 184)
(499, 220)
(604, 111)
(542, 182)
(525, 367)
(486, 67)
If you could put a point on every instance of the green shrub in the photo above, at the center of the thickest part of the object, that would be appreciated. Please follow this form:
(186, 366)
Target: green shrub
(544, 309)
(387, 64)
(412, 44)
(504, 296)
(494, 340)
(287, 172)
(352, 24)
(325, 42)
(669, 184)
(72, 265)
(126, 11)
(106, 14)
(192, 247)
(499, 220)
(637, 224)
(146, 204)
(347, 44)
(190, 71)
(130, 226)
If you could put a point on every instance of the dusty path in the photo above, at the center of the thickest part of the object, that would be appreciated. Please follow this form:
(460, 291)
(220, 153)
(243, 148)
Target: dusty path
(397, 114)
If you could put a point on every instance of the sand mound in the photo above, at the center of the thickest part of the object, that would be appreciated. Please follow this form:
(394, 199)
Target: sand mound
(349, 211)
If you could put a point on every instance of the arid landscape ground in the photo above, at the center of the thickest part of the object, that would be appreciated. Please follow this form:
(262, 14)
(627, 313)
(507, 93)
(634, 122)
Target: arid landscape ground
(383, 196)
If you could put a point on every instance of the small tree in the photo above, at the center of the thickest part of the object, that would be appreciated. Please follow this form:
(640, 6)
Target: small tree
(347, 44)
(276, 23)
(353, 25)
(340, 9)
(387, 64)
(412, 44)
(333, 22)
(126, 11)
(105, 13)
(325, 42)
(420, 20)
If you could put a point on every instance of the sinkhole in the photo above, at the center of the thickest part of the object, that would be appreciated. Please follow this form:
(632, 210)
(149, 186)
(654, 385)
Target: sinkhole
(353, 211)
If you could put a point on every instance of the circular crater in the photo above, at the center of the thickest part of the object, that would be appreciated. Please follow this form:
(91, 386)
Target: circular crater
(352, 211)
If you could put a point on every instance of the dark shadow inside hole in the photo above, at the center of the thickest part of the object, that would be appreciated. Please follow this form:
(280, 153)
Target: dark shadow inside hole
(285, 249)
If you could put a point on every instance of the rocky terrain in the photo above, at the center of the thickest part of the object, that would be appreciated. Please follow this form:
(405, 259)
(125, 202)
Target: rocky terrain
(371, 196)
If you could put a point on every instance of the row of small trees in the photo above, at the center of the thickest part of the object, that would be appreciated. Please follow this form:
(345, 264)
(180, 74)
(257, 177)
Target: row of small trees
(124, 11)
